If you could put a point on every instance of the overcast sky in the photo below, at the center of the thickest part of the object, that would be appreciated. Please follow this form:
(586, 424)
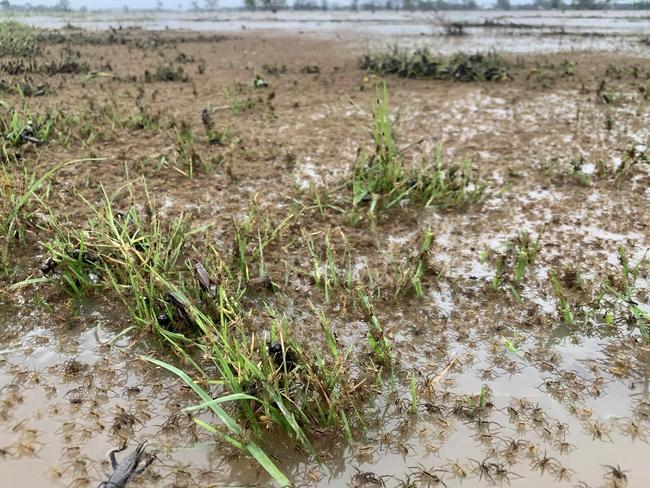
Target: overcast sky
(151, 4)
(133, 4)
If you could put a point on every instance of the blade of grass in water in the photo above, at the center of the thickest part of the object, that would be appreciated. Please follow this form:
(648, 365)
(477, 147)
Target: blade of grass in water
(253, 449)
(223, 399)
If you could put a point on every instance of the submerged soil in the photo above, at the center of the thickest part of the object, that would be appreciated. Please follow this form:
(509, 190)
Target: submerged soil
(561, 404)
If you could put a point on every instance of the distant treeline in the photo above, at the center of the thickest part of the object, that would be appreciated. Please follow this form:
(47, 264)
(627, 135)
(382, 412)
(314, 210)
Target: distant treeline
(369, 5)
(433, 5)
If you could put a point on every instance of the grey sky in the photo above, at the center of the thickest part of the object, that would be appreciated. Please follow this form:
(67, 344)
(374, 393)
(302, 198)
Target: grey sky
(151, 4)
(133, 4)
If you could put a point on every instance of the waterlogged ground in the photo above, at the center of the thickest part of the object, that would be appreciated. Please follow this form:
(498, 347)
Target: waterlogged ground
(508, 392)
(517, 31)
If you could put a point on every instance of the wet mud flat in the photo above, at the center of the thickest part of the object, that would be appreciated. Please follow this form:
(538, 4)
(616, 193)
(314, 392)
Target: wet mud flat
(232, 205)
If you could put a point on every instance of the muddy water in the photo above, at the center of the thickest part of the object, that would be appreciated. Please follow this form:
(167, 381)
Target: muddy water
(69, 396)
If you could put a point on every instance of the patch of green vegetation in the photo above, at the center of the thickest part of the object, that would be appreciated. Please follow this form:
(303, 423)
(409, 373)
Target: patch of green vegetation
(512, 260)
(326, 269)
(380, 180)
(19, 41)
(421, 63)
(202, 310)
(24, 88)
(21, 196)
(617, 301)
(236, 104)
(19, 126)
(416, 267)
(621, 298)
(166, 73)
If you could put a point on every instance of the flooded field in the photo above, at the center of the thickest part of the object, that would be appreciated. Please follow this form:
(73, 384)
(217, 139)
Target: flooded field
(368, 267)
(518, 31)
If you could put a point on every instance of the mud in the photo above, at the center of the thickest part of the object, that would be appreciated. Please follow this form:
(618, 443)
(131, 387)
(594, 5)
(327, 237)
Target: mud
(507, 393)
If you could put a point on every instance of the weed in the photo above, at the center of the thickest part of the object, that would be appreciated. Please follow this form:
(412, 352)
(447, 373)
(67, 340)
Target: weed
(17, 194)
(380, 347)
(20, 42)
(617, 301)
(68, 63)
(414, 395)
(236, 105)
(381, 180)
(619, 295)
(416, 266)
(20, 126)
(326, 270)
(513, 258)
(565, 310)
(134, 255)
(275, 69)
(25, 88)
(185, 150)
(166, 73)
(218, 137)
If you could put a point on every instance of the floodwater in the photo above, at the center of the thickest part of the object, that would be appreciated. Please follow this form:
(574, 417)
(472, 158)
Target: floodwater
(515, 31)
(559, 410)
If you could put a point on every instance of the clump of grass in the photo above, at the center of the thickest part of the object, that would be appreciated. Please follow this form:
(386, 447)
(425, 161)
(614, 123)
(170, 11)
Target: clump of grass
(381, 180)
(326, 267)
(416, 267)
(618, 300)
(186, 151)
(567, 312)
(68, 63)
(270, 377)
(20, 42)
(513, 258)
(25, 88)
(421, 63)
(379, 345)
(165, 73)
(235, 434)
(18, 126)
(619, 295)
(18, 194)
(236, 104)
(214, 136)
(135, 255)
(277, 382)
(142, 119)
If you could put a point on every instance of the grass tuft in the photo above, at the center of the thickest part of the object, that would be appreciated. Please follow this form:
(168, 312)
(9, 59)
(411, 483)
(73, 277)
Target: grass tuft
(421, 63)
